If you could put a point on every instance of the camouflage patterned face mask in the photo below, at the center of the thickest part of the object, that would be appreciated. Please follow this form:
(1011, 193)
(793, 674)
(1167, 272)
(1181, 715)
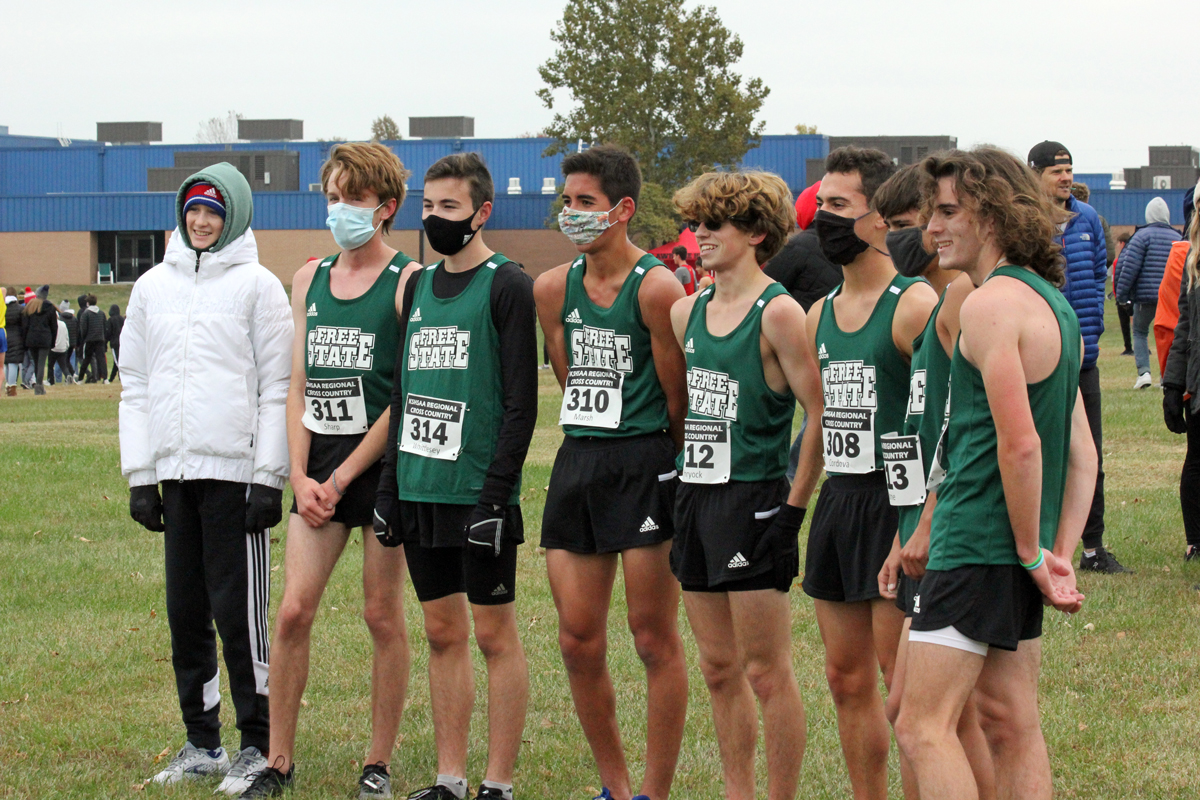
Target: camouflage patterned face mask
(584, 227)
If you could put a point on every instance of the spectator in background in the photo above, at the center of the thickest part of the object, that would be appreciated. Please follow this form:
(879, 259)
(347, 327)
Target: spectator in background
(1082, 240)
(1182, 375)
(39, 324)
(16, 345)
(1123, 311)
(3, 338)
(683, 270)
(80, 365)
(1167, 316)
(801, 266)
(112, 335)
(91, 333)
(1142, 265)
(703, 276)
(1081, 192)
(68, 316)
(59, 366)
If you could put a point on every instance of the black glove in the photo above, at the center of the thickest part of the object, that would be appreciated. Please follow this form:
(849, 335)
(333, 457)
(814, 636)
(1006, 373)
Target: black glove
(145, 506)
(485, 531)
(264, 508)
(385, 527)
(781, 541)
(1173, 409)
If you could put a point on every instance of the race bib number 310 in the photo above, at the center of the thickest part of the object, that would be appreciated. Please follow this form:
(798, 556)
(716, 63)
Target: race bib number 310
(849, 440)
(706, 451)
(334, 406)
(432, 427)
(592, 398)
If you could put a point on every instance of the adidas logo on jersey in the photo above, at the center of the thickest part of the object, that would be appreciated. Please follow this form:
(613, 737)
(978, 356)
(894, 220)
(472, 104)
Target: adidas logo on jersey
(499, 590)
(737, 561)
(416, 315)
(312, 310)
(649, 525)
(821, 352)
(574, 316)
(687, 348)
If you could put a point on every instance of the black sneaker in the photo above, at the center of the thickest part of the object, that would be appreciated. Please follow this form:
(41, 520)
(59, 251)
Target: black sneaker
(435, 792)
(1104, 562)
(1192, 552)
(374, 781)
(1127, 352)
(270, 783)
(489, 793)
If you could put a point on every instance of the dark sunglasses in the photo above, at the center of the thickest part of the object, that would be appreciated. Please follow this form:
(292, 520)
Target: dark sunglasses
(715, 225)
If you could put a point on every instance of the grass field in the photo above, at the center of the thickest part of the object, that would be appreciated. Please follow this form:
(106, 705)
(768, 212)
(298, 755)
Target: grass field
(87, 698)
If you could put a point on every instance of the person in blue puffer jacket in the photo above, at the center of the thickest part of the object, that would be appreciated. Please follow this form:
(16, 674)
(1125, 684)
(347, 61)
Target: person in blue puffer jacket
(1082, 240)
(1142, 265)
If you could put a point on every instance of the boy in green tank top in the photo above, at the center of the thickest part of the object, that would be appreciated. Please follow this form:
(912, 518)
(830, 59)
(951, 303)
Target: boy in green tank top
(736, 519)
(607, 320)
(337, 417)
(861, 338)
(464, 406)
(909, 458)
(1021, 468)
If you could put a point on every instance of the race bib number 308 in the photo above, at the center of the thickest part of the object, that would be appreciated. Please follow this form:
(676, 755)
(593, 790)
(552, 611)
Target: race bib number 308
(706, 451)
(334, 406)
(592, 398)
(849, 440)
(432, 427)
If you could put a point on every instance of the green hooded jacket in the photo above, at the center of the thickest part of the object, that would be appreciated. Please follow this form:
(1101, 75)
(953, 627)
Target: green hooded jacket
(239, 203)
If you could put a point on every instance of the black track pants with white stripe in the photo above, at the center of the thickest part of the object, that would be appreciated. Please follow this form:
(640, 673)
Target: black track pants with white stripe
(217, 572)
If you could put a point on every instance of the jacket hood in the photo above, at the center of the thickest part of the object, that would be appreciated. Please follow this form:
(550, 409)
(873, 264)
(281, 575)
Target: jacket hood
(180, 255)
(1157, 211)
(239, 203)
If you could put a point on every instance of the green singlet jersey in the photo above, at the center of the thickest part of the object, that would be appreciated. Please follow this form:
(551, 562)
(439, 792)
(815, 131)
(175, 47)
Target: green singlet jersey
(453, 392)
(350, 351)
(970, 522)
(737, 427)
(857, 369)
(612, 386)
(928, 391)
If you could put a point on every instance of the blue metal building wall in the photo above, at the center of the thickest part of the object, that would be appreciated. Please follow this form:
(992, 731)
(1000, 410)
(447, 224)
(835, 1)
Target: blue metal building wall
(787, 157)
(1096, 181)
(1128, 206)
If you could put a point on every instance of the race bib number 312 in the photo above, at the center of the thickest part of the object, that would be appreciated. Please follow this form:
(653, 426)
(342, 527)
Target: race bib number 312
(706, 451)
(849, 440)
(592, 398)
(432, 427)
(334, 406)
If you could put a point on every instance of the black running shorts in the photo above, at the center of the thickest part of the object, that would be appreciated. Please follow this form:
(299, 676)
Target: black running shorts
(326, 453)
(998, 605)
(608, 495)
(905, 592)
(438, 559)
(716, 530)
(853, 526)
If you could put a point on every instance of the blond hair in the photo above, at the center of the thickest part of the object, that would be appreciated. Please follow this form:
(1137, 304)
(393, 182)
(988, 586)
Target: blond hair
(754, 202)
(1193, 269)
(367, 167)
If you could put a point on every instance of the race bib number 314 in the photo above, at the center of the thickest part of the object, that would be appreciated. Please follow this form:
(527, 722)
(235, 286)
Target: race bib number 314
(432, 427)
(849, 440)
(592, 398)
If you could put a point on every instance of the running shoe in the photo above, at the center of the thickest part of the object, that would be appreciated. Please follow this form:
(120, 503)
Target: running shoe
(489, 793)
(604, 794)
(1143, 381)
(1192, 552)
(1102, 561)
(270, 782)
(374, 782)
(245, 765)
(435, 792)
(194, 763)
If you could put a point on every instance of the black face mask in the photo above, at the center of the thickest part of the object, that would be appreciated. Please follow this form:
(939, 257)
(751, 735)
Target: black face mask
(448, 236)
(907, 247)
(839, 242)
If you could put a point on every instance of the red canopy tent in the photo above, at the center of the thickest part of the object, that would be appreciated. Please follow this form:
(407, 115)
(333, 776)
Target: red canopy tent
(687, 239)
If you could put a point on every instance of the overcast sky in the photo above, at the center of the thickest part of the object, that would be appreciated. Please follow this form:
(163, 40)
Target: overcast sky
(1105, 78)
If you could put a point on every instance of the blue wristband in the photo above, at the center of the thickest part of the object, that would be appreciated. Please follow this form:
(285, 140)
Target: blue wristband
(1037, 562)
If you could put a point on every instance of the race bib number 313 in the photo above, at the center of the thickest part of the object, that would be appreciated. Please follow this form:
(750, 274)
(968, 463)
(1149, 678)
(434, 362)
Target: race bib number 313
(334, 406)
(706, 451)
(592, 398)
(432, 427)
(849, 440)
(903, 469)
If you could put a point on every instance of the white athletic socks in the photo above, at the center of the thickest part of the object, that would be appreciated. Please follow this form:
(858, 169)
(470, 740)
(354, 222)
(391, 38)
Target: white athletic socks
(505, 788)
(1089, 553)
(456, 785)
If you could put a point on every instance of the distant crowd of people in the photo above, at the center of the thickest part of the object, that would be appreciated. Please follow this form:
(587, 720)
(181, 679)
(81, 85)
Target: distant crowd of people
(41, 343)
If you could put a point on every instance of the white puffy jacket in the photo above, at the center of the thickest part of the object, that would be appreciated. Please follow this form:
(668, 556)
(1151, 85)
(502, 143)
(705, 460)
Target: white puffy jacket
(206, 356)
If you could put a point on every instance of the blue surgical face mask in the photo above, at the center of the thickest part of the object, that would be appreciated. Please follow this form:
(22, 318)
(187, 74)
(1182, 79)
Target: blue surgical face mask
(351, 225)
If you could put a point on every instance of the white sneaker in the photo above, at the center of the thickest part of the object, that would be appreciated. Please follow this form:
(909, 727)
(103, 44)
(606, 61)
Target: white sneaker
(1144, 380)
(242, 769)
(192, 763)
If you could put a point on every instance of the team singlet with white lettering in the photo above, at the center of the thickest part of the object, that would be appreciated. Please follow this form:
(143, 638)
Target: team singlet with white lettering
(610, 361)
(737, 427)
(350, 351)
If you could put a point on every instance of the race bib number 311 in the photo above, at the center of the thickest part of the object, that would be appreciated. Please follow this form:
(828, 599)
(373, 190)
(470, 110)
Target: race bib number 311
(334, 406)
(592, 398)
(706, 451)
(849, 440)
(432, 427)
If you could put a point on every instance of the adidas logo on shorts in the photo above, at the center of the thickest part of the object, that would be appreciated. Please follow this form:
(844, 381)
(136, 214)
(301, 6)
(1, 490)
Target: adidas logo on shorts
(687, 348)
(916, 604)
(499, 590)
(574, 316)
(648, 525)
(821, 352)
(737, 561)
(312, 310)
(416, 315)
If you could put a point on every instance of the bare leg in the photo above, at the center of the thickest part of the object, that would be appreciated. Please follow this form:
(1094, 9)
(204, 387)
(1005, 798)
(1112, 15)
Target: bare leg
(652, 595)
(451, 679)
(508, 686)
(851, 670)
(308, 560)
(383, 610)
(976, 747)
(582, 589)
(1007, 701)
(908, 780)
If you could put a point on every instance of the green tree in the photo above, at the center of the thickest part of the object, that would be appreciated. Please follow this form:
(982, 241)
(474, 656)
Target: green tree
(385, 129)
(655, 78)
(802, 128)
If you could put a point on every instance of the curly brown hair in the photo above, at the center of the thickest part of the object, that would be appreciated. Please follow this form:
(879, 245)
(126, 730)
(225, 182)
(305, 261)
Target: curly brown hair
(368, 167)
(999, 189)
(754, 202)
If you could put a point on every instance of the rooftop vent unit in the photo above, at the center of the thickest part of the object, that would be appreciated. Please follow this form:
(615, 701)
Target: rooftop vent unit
(129, 132)
(270, 130)
(441, 127)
